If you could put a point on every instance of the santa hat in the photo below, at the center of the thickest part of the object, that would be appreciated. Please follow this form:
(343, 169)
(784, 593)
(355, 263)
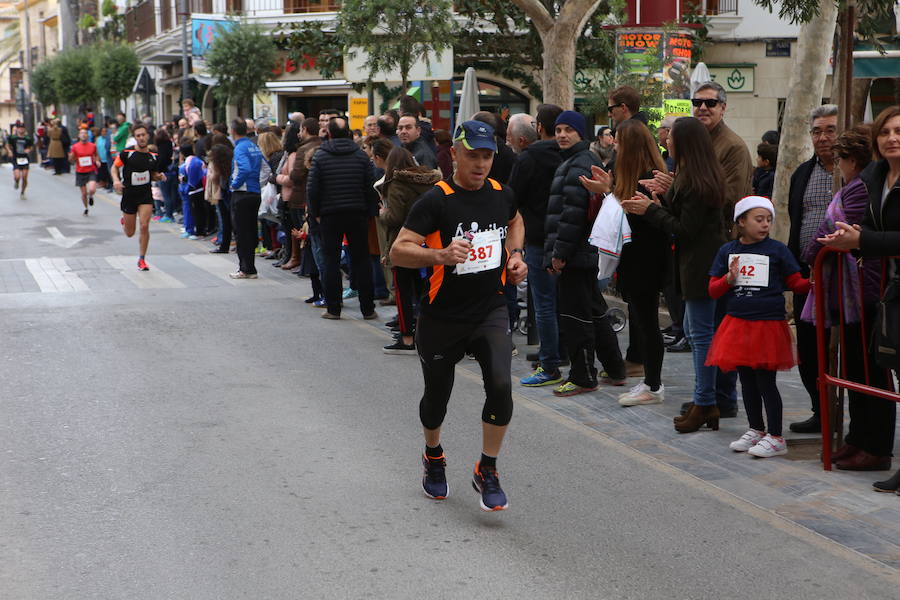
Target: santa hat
(751, 202)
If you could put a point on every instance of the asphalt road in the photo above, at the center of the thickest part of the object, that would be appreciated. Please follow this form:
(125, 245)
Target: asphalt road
(186, 436)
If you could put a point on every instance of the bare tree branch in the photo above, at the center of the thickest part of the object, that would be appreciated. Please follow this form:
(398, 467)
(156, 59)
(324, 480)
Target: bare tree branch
(577, 11)
(538, 14)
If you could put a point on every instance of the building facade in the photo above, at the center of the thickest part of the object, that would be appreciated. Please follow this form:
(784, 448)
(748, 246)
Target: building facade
(155, 27)
(34, 21)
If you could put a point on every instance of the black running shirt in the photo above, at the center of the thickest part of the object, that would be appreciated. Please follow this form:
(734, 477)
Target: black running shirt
(137, 172)
(470, 291)
(19, 144)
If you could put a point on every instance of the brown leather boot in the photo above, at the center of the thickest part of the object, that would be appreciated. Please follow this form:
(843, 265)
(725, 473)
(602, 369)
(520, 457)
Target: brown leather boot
(686, 407)
(294, 261)
(844, 452)
(863, 461)
(697, 417)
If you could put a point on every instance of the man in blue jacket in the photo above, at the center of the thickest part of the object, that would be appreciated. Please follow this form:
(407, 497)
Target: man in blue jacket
(340, 196)
(245, 198)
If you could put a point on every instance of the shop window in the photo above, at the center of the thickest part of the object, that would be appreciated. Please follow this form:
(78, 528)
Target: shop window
(15, 78)
(311, 6)
(495, 98)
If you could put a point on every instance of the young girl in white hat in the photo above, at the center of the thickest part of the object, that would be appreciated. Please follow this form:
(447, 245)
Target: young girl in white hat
(753, 272)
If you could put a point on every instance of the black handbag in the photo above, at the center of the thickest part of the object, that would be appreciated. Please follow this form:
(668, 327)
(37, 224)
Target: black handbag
(886, 332)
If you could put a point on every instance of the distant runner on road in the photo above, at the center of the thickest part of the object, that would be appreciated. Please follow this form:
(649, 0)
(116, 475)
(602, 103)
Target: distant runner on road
(20, 145)
(467, 231)
(132, 172)
(84, 156)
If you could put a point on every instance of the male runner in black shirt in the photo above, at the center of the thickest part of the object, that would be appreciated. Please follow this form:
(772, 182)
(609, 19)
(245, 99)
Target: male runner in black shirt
(138, 167)
(473, 239)
(19, 146)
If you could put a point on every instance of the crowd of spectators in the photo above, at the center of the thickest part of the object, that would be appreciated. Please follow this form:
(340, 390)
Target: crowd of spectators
(326, 202)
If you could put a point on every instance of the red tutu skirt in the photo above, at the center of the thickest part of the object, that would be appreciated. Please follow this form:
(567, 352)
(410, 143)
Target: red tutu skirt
(756, 344)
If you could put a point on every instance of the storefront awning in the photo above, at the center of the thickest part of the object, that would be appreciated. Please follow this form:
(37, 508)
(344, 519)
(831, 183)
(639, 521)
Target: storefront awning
(872, 64)
(298, 86)
(201, 79)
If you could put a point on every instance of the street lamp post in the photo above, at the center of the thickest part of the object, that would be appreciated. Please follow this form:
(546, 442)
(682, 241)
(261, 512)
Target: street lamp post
(185, 85)
(28, 112)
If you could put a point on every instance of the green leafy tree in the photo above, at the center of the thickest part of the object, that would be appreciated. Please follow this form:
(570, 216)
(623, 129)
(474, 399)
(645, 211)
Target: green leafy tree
(42, 84)
(73, 76)
(314, 45)
(872, 14)
(115, 66)
(395, 34)
(241, 59)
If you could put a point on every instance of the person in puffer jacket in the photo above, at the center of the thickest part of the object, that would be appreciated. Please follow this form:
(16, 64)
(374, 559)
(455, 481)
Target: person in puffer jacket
(341, 198)
(568, 253)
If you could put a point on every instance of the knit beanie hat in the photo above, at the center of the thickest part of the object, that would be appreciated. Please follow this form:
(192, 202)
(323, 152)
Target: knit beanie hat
(575, 120)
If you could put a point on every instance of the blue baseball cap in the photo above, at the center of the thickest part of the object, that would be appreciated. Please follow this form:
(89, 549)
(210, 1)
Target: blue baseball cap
(475, 135)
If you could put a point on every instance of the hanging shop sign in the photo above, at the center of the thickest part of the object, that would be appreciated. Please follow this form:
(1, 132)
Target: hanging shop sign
(734, 78)
(658, 54)
(359, 110)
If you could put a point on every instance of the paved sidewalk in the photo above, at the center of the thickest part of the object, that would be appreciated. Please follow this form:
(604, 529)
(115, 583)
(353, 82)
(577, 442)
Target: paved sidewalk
(838, 505)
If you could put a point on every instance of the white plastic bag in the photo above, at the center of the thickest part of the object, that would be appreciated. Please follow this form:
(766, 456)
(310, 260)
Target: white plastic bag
(269, 202)
(609, 234)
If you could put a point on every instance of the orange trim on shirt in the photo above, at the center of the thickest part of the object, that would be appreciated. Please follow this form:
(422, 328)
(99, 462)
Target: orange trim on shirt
(448, 189)
(433, 240)
(495, 184)
(118, 162)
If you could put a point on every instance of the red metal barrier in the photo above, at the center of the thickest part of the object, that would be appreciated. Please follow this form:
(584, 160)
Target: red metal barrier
(825, 379)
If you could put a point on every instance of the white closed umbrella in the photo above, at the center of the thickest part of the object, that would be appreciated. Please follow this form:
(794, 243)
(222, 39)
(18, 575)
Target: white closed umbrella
(700, 75)
(468, 101)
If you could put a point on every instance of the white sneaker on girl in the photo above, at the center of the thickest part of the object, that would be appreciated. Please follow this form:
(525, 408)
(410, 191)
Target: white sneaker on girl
(747, 441)
(769, 446)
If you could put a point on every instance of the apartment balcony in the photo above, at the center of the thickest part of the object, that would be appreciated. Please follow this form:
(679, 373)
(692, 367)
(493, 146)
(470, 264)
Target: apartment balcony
(140, 22)
(723, 15)
(155, 25)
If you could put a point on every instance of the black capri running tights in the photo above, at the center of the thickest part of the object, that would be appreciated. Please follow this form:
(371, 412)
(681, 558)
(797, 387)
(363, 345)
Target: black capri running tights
(442, 344)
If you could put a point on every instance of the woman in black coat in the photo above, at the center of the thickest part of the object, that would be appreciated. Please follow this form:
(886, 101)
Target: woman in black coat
(692, 214)
(643, 267)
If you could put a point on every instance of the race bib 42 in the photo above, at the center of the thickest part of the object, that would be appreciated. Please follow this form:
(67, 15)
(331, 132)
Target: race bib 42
(753, 270)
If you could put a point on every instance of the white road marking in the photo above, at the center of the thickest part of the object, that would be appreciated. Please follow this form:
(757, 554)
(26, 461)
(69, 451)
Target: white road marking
(152, 279)
(58, 239)
(220, 267)
(54, 275)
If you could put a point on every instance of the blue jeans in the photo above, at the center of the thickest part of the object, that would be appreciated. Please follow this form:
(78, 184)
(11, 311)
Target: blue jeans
(699, 325)
(542, 287)
(169, 189)
(315, 244)
(378, 281)
(726, 383)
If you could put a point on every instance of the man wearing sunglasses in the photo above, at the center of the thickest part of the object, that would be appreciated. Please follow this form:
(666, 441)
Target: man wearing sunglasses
(624, 103)
(709, 108)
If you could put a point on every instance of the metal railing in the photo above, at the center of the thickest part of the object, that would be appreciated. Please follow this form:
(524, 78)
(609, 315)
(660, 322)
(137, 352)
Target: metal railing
(263, 8)
(827, 380)
(140, 20)
(709, 8)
